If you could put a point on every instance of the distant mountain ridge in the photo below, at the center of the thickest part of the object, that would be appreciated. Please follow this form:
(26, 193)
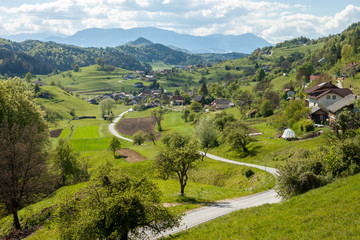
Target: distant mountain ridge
(219, 43)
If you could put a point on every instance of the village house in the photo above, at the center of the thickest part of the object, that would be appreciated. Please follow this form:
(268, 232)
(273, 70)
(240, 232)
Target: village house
(336, 108)
(177, 100)
(221, 104)
(117, 96)
(325, 94)
(289, 92)
(198, 98)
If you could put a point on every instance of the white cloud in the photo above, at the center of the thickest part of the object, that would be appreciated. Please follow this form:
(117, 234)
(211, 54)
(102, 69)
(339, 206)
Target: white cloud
(275, 21)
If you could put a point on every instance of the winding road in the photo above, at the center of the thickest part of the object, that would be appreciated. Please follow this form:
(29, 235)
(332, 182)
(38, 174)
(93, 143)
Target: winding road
(210, 212)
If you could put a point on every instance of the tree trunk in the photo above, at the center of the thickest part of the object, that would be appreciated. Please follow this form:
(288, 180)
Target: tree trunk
(16, 218)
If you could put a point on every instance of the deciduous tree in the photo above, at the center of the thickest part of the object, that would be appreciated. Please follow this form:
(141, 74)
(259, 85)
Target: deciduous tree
(23, 141)
(112, 207)
(236, 134)
(178, 158)
(114, 145)
(205, 132)
(66, 161)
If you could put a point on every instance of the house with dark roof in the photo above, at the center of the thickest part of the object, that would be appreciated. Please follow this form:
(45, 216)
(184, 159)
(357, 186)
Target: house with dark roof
(319, 115)
(221, 104)
(198, 98)
(325, 94)
(336, 108)
(177, 100)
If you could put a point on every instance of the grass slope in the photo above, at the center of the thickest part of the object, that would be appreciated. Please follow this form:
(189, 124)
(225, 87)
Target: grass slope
(330, 212)
(61, 102)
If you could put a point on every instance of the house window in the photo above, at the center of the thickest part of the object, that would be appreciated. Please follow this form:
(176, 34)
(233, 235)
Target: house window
(334, 97)
(328, 97)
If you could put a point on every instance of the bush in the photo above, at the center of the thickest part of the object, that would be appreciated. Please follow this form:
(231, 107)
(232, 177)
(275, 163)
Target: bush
(298, 176)
(249, 173)
(306, 125)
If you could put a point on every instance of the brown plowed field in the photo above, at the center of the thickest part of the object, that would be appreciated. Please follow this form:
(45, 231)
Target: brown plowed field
(130, 155)
(55, 133)
(130, 126)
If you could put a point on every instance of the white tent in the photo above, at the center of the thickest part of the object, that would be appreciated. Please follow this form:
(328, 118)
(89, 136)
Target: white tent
(288, 133)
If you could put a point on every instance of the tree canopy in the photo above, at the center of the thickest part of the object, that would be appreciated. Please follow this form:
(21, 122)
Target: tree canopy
(178, 158)
(114, 207)
(23, 144)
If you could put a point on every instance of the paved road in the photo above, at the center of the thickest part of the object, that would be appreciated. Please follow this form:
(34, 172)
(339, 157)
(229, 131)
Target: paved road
(205, 214)
(112, 126)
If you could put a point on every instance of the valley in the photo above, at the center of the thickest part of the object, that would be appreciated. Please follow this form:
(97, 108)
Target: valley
(101, 170)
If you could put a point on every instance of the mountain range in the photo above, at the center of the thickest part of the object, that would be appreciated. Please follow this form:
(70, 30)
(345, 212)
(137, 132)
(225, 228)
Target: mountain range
(97, 37)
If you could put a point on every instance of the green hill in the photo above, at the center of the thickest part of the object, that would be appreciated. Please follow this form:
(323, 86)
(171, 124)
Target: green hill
(330, 212)
(61, 56)
(59, 103)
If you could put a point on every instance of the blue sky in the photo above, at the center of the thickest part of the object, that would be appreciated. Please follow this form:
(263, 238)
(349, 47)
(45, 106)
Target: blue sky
(274, 20)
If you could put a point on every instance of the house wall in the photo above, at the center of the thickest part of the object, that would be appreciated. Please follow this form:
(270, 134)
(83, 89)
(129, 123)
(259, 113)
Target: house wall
(324, 101)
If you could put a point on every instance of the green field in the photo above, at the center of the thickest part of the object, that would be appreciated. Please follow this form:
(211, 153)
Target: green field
(159, 66)
(86, 132)
(90, 82)
(330, 212)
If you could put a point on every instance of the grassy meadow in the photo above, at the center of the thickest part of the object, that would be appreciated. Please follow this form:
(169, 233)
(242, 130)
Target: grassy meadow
(308, 216)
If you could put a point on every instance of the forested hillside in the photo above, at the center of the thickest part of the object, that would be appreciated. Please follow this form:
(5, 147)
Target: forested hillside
(159, 52)
(62, 57)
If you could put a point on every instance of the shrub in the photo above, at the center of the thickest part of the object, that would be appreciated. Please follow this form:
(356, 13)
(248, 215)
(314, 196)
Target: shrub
(249, 173)
(298, 176)
(306, 125)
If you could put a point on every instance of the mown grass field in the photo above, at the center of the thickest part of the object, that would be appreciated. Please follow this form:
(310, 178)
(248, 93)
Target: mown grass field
(90, 81)
(330, 212)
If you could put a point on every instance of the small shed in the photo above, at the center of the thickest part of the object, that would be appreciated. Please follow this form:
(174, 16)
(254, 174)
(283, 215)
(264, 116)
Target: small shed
(288, 134)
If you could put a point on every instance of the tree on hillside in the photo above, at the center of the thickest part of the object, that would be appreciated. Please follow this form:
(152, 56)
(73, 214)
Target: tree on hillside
(222, 118)
(66, 162)
(112, 207)
(203, 91)
(205, 132)
(23, 144)
(114, 145)
(138, 138)
(304, 72)
(28, 77)
(151, 136)
(260, 75)
(106, 106)
(195, 106)
(100, 62)
(158, 115)
(178, 158)
(236, 134)
(265, 108)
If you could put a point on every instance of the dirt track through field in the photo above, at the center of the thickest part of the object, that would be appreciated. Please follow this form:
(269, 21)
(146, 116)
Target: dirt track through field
(130, 155)
(130, 126)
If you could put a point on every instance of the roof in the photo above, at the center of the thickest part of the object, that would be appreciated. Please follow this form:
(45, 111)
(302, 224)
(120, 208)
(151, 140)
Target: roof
(339, 91)
(322, 89)
(222, 101)
(317, 108)
(177, 98)
(320, 86)
(197, 98)
(346, 101)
